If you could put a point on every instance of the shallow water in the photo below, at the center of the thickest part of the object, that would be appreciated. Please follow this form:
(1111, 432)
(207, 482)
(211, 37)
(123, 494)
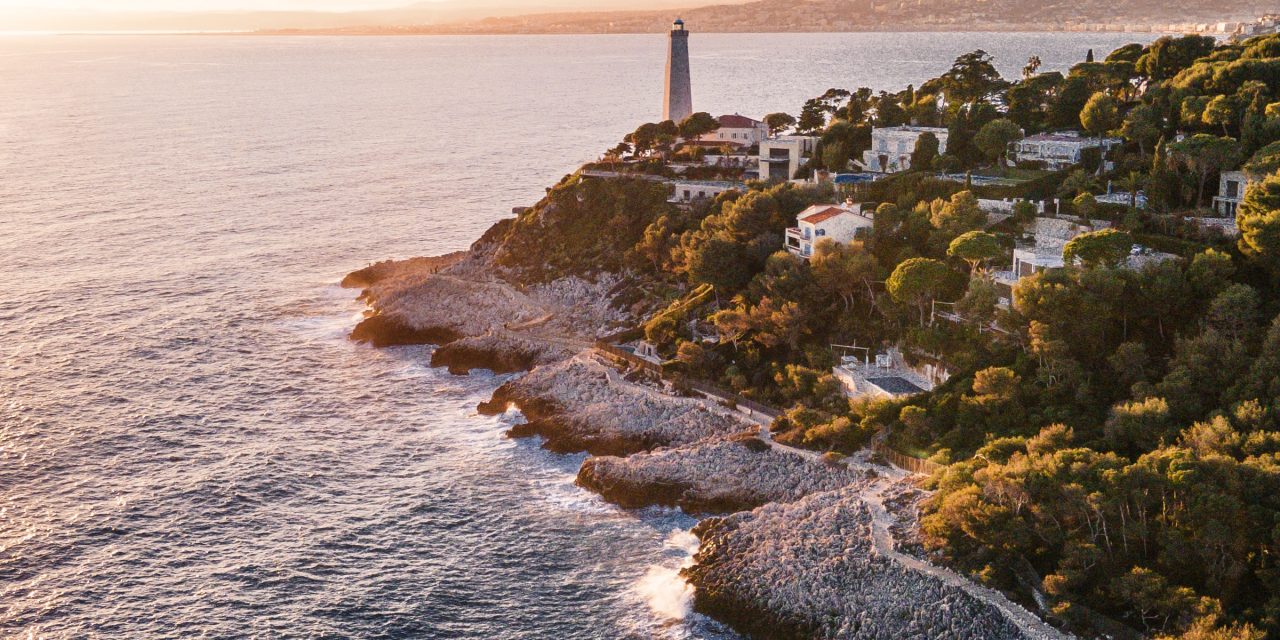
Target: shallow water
(189, 446)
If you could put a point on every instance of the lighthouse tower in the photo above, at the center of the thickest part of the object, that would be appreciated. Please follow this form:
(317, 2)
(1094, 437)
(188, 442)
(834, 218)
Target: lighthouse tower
(678, 104)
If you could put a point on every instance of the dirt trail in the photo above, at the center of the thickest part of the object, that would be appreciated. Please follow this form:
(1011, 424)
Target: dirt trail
(883, 542)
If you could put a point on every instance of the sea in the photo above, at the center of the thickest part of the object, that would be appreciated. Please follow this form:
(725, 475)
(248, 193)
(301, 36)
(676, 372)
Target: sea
(190, 447)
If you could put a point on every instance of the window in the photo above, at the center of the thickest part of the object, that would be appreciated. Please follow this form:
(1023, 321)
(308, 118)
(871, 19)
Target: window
(1233, 188)
(820, 232)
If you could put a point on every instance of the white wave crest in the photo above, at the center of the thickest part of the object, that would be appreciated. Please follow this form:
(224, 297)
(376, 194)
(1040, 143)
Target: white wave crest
(666, 593)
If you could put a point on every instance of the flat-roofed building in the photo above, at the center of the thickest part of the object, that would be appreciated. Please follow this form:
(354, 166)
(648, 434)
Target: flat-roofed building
(782, 158)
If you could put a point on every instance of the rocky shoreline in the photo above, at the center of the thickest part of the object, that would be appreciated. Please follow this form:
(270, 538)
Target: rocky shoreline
(807, 569)
(793, 551)
(719, 476)
(581, 404)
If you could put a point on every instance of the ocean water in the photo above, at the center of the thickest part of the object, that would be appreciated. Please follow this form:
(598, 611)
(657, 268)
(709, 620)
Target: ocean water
(189, 446)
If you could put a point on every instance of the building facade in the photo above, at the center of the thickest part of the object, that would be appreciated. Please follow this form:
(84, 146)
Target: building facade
(1231, 188)
(687, 192)
(841, 223)
(891, 147)
(1057, 151)
(782, 158)
(737, 130)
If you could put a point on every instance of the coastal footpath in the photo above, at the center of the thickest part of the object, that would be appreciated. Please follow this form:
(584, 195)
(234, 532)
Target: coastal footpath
(797, 545)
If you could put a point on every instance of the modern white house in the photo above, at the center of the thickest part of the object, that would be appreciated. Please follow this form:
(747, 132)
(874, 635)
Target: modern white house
(782, 158)
(1057, 150)
(737, 130)
(891, 147)
(1042, 250)
(1231, 188)
(842, 223)
(685, 192)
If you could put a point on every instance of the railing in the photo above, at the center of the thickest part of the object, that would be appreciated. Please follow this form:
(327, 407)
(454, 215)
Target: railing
(733, 398)
(628, 356)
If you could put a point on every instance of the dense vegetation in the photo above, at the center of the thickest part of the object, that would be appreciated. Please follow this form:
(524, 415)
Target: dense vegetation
(1111, 436)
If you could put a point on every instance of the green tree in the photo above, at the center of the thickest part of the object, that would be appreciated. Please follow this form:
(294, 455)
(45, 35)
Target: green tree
(1099, 116)
(925, 152)
(644, 138)
(972, 78)
(1205, 155)
(835, 156)
(1219, 112)
(946, 163)
(697, 125)
(1137, 427)
(1168, 56)
(813, 117)
(1265, 161)
(1142, 126)
(845, 270)
(1105, 248)
(1258, 219)
(779, 122)
(1162, 188)
(1033, 65)
(1154, 601)
(994, 138)
(976, 248)
(719, 262)
(1085, 205)
(917, 281)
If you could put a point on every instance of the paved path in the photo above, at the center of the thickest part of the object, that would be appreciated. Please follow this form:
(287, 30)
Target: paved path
(882, 530)
(884, 544)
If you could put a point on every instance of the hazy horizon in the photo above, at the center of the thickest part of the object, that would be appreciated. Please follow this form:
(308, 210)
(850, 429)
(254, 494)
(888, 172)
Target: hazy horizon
(235, 15)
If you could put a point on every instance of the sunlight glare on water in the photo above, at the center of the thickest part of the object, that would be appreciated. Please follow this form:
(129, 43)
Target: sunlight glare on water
(190, 447)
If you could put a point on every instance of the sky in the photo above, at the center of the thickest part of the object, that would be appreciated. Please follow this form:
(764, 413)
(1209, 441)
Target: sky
(204, 5)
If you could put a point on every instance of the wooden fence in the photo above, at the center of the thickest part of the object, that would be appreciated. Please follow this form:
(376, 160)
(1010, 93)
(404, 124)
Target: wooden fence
(910, 463)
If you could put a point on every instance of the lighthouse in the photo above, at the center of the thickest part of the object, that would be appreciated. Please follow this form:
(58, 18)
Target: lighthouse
(678, 104)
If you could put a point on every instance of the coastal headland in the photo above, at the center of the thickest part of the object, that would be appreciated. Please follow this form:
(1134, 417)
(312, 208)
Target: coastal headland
(1053, 299)
(796, 545)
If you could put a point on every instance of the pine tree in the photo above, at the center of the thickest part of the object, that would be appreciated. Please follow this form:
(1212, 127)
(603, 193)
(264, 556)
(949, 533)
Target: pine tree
(1253, 127)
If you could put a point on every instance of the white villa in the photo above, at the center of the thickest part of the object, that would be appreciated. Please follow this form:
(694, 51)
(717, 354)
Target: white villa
(1057, 150)
(737, 130)
(781, 158)
(1231, 187)
(842, 223)
(891, 147)
(693, 191)
(1043, 250)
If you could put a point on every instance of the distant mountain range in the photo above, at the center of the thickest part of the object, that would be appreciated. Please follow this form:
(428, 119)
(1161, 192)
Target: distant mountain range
(422, 14)
(568, 16)
(871, 15)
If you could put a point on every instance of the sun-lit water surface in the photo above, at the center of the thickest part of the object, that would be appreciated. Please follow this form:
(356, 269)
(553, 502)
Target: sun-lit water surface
(188, 445)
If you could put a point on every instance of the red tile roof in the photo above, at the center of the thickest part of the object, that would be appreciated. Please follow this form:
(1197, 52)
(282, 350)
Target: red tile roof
(822, 215)
(736, 121)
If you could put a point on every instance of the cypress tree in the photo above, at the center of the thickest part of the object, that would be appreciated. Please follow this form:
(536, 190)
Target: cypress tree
(1161, 187)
